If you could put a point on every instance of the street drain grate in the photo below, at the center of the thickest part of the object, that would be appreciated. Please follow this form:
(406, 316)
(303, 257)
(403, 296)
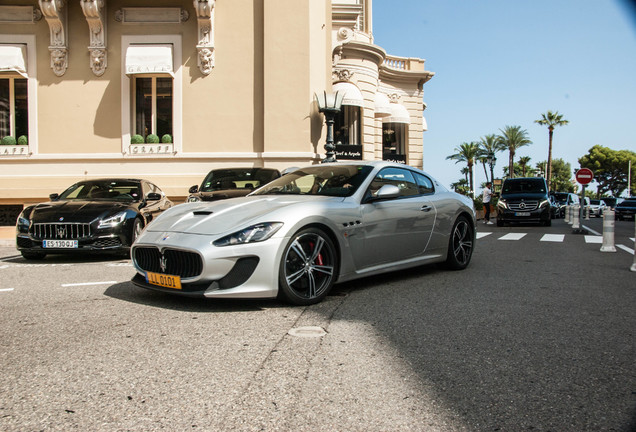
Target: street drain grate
(307, 332)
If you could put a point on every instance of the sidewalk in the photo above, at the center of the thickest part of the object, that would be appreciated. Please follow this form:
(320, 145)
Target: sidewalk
(7, 236)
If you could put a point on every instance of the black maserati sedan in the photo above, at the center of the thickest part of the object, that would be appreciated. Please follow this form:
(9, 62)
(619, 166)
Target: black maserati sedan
(103, 215)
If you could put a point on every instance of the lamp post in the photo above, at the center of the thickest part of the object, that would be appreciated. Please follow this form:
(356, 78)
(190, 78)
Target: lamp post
(492, 160)
(329, 105)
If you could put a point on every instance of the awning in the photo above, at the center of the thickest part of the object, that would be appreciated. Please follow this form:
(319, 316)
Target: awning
(13, 59)
(382, 105)
(424, 124)
(399, 114)
(149, 59)
(352, 94)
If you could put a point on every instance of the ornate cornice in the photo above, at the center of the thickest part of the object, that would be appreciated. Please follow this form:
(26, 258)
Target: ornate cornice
(205, 39)
(339, 75)
(54, 12)
(94, 11)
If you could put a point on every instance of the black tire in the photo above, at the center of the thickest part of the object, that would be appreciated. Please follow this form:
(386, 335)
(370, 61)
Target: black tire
(500, 223)
(548, 222)
(460, 244)
(138, 226)
(33, 255)
(308, 267)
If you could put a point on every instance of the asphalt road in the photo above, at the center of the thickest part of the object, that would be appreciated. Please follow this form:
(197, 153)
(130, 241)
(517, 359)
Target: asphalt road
(537, 334)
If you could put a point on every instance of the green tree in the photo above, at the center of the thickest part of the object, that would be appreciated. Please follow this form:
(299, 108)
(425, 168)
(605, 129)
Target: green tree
(610, 168)
(523, 164)
(551, 120)
(466, 152)
(489, 145)
(512, 138)
(561, 177)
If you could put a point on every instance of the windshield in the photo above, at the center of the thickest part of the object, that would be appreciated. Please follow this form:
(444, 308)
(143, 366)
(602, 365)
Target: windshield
(628, 203)
(248, 178)
(524, 185)
(104, 190)
(340, 181)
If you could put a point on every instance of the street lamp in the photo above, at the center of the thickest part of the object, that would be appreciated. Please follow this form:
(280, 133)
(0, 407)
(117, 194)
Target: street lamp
(492, 160)
(329, 105)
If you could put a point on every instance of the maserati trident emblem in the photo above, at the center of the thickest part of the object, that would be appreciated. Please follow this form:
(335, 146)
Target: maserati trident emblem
(61, 231)
(163, 263)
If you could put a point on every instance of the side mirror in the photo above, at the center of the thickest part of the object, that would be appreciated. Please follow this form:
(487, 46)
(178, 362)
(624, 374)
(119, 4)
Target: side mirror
(153, 196)
(193, 189)
(54, 196)
(385, 192)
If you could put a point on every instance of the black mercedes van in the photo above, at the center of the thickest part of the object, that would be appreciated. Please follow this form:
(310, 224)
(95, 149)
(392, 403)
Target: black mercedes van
(524, 199)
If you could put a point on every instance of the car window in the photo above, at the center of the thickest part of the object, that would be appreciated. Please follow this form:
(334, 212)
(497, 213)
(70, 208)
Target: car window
(328, 180)
(529, 185)
(424, 184)
(400, 177)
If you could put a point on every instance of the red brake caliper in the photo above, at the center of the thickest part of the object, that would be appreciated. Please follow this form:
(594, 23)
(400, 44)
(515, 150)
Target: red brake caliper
(319, 257)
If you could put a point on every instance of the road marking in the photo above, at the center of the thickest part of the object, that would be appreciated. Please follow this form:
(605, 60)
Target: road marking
(6, 289)
(484, 234)
(89, 283)
(592, 231)
(558, 238)
(593, 239)
(626, 249)
(513, 236)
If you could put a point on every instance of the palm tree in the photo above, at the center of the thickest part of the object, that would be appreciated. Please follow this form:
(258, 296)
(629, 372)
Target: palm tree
(513, 137)
(489, 145)
(466, 152)
(523, 163)
(551, 120)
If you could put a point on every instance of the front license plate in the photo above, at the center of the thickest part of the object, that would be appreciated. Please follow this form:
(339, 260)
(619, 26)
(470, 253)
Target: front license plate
(60, 244)
(522, 214)
(162, 280)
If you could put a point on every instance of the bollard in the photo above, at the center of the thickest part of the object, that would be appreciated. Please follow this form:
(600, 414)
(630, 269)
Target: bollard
(587, 212)
(633, 267)
(608, 231)
(576, 224)
(567, 214)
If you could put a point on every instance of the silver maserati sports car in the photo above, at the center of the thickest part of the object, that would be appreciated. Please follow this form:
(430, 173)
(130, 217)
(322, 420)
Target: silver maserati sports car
(301, 233)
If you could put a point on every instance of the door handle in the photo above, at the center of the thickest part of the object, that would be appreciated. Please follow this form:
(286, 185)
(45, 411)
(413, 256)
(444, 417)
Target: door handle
(426, 208)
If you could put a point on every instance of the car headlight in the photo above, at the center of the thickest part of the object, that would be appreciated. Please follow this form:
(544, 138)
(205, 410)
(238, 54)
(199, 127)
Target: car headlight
(255, 233)
(544, 203)
(112, 221)
(193, 198)
(22, 224)
(502, 203)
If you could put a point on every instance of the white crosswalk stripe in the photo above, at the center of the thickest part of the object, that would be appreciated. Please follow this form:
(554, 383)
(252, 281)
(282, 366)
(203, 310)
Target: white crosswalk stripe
(557, 238)
(593, 239)
(512, 236)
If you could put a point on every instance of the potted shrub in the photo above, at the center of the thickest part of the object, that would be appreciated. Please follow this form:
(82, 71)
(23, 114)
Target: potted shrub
(23, 140)
(8, 140)
(166, 139)
(136, 139)
(152, 139)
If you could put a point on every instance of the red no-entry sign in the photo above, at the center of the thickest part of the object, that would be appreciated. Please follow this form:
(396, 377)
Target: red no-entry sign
(584, 176)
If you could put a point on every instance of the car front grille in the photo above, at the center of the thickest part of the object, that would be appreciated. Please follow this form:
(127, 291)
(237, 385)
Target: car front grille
(523, 205)
(60, 231)
(169, 261)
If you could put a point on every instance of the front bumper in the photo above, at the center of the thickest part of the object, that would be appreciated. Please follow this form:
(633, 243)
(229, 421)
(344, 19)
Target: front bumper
(102, 244)
(239, 271)
(534, 216)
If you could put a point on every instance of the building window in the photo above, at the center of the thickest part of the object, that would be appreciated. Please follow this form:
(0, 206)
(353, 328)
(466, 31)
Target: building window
(152, 95)
(152, 99)
(394, 141)
(14, 113)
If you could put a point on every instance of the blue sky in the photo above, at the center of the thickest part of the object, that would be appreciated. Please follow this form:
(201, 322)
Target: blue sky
(505, 62)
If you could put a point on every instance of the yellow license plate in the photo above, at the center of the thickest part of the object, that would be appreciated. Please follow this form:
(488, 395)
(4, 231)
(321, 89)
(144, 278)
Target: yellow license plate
(162, 280)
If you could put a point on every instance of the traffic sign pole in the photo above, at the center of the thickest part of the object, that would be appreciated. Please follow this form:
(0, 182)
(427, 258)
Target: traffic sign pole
(584, 176)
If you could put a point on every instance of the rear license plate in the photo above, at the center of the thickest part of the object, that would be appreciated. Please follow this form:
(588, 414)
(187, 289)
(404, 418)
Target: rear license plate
(522, 214)
(162, 280)
(60, 244)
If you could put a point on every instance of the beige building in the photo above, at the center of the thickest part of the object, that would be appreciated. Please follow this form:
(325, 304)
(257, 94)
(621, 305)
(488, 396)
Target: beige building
(168, 89)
